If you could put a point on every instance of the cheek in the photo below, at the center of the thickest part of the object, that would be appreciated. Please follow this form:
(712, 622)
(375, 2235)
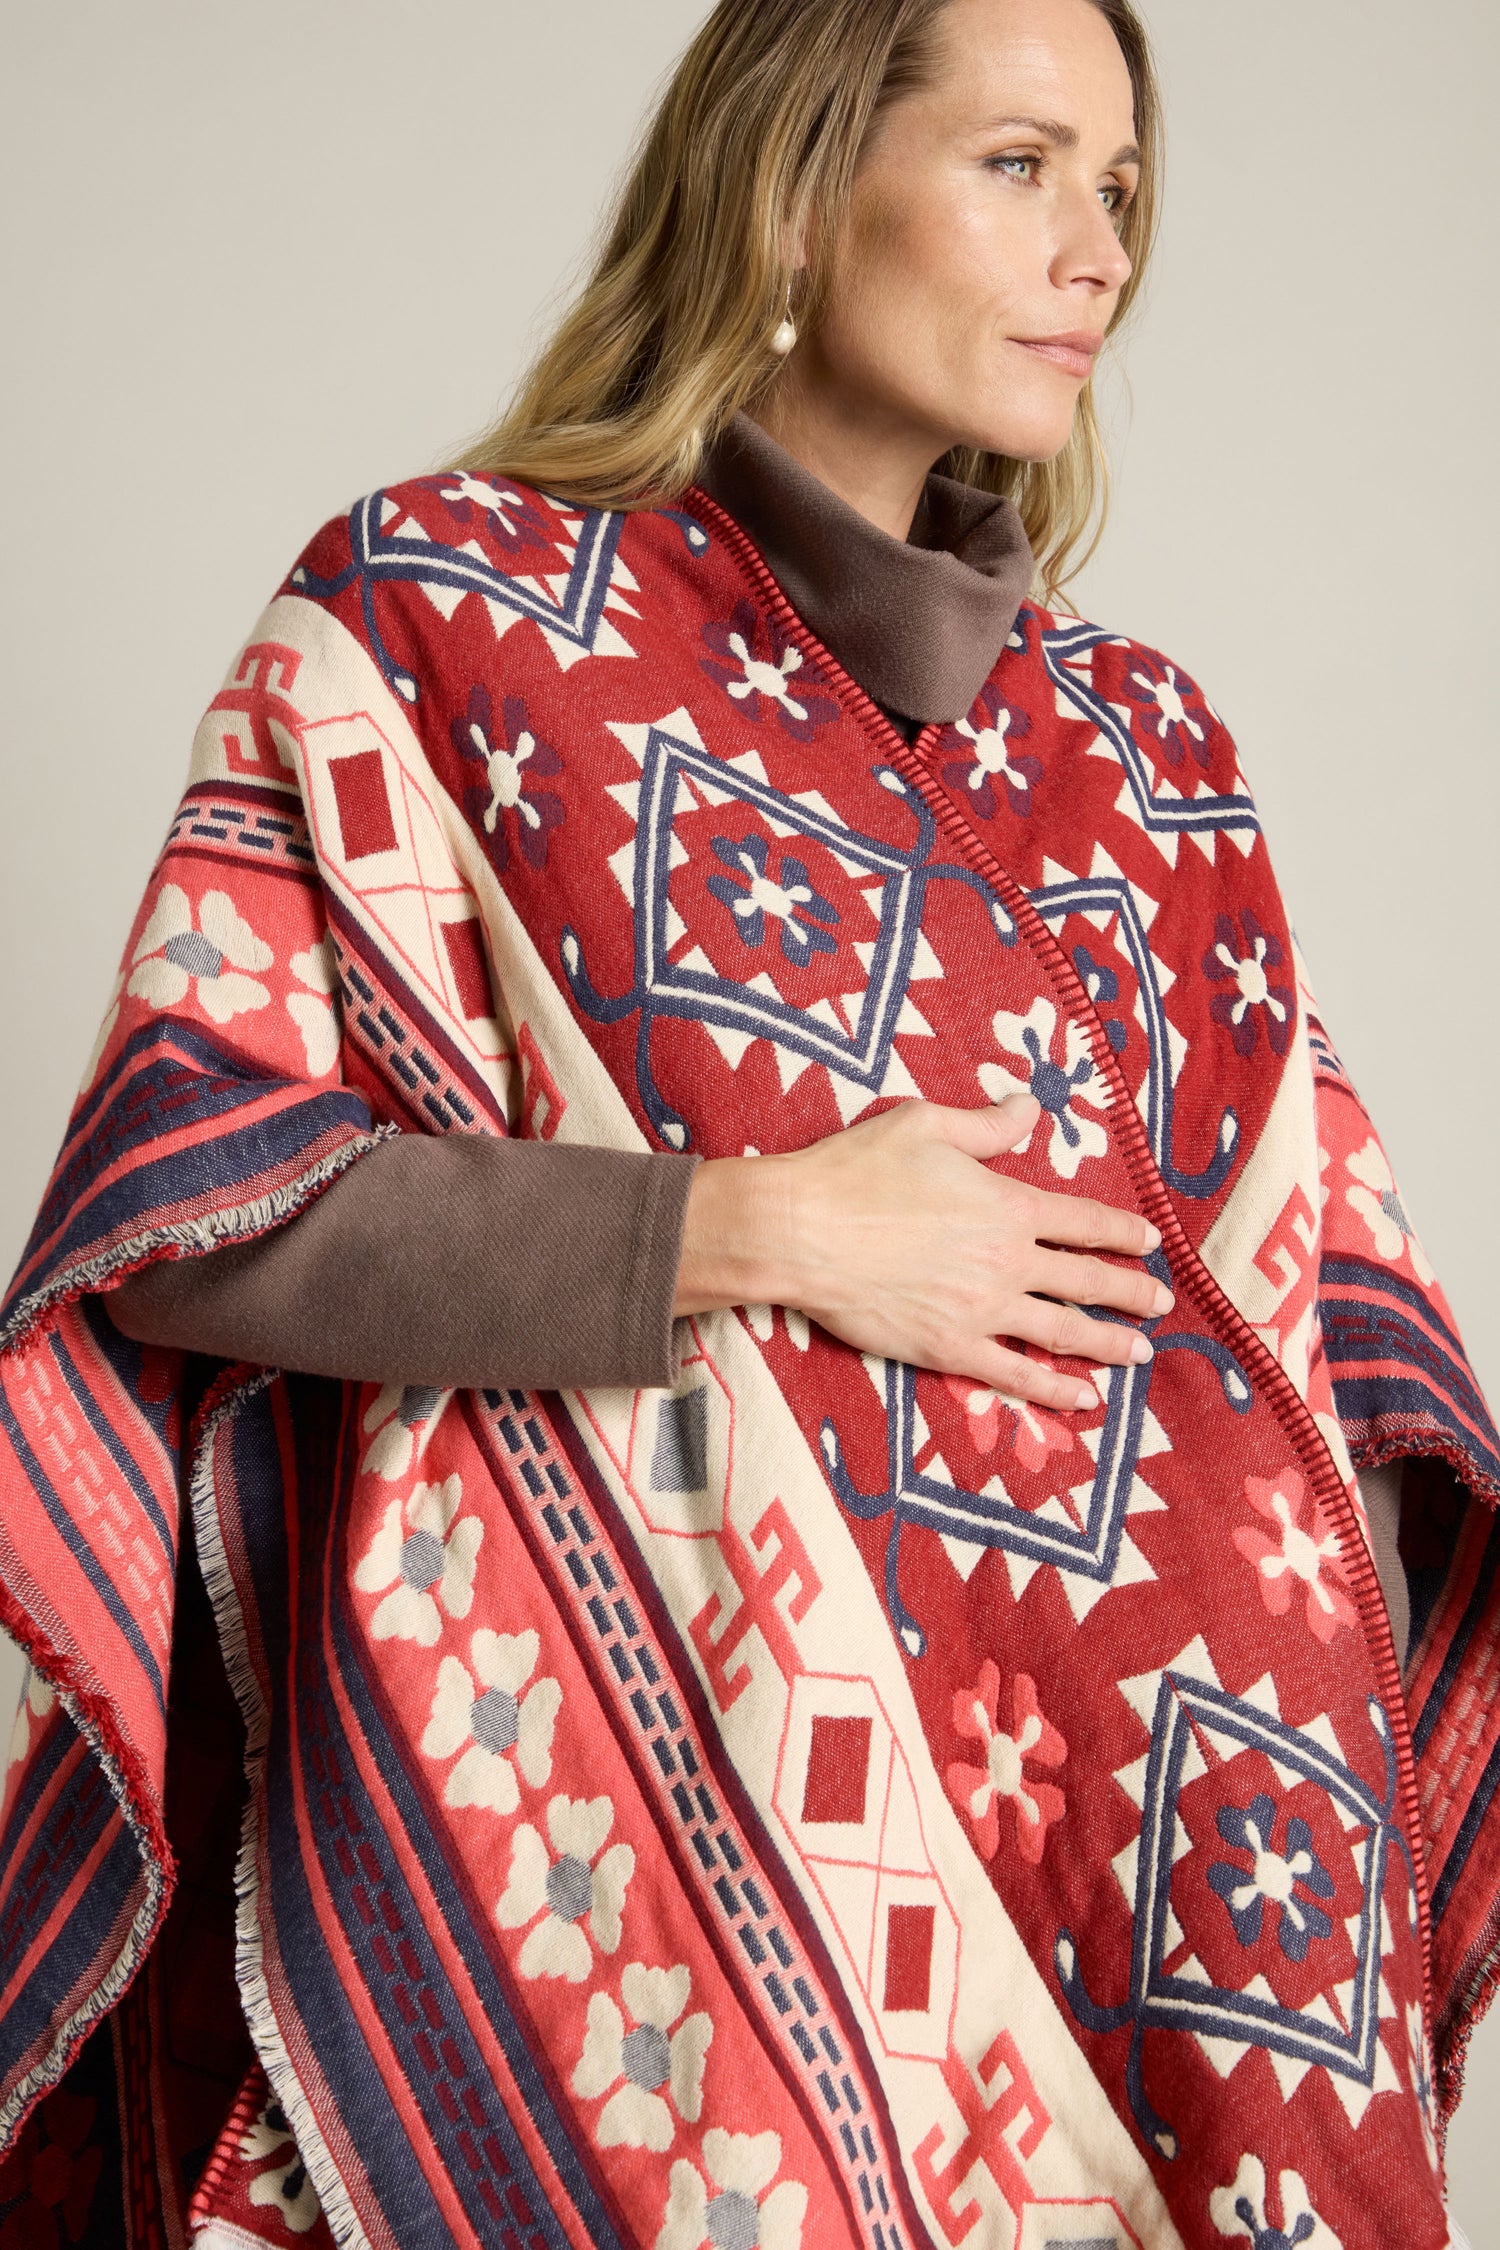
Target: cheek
(995, 260)
(946, 273)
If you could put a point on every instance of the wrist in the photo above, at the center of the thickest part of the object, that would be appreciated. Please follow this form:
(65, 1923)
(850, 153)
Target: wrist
(736, 1235)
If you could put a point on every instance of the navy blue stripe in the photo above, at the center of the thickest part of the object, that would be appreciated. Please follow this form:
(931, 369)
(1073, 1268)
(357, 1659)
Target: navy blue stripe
(344, 2058)
(1475, 1609)
(1463, 1842)
(81, 1551)
(61, 1738)
(59, 1848)
(1407, 1322)
(74, 1955)
(1372, 1399)
(1359, 1273)
(345, 2063)
(224, 1170)
(1356, 1337)
(124, 1460)
(160, 1410)
(146, 1121)
(1391, 1333)
(183, 1043)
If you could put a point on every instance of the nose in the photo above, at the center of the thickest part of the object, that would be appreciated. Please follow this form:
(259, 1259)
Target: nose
(1089, 252)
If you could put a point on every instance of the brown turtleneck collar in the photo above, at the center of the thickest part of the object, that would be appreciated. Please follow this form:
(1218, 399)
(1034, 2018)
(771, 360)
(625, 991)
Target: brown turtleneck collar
(918, 623)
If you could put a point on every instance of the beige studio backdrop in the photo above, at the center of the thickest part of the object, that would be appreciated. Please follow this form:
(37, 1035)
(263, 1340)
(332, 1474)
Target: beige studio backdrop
(262, 256)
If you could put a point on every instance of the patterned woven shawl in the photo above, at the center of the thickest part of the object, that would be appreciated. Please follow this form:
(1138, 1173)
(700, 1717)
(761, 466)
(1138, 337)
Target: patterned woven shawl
(826, 1804)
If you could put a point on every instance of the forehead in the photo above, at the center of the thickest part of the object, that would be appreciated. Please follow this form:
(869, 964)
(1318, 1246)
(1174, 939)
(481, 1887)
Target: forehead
(1038, 58)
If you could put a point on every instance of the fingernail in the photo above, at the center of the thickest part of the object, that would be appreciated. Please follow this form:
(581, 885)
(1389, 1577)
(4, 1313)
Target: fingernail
(1153, 1239)
(1087, 1399)
(1164, 1299)
(1140, 1351)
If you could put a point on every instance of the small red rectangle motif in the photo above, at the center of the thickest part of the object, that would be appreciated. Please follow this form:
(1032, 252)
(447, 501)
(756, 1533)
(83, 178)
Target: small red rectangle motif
(365, 822)
(838, 1768)
(908, 1958)
(465, 944)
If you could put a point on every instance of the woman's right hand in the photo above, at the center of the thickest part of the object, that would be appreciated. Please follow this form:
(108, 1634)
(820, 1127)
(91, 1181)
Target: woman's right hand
(895, 1237)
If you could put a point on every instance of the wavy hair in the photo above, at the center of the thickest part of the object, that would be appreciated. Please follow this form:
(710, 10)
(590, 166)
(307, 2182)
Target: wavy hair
(755, 144)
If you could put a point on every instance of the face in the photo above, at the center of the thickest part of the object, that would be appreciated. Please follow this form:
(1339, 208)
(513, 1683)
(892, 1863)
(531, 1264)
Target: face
(981, 261)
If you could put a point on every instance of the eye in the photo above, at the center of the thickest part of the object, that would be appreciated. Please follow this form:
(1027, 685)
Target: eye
(1116, 198)
(1025, 167)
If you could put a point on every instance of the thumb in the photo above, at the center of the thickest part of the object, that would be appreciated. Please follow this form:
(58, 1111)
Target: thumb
(983, 1133)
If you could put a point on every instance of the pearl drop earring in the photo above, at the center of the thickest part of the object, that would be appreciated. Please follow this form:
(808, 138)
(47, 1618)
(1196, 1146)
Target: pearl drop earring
(785, 337)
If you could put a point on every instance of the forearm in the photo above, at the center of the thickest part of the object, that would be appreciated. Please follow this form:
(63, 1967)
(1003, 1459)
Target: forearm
(463, 1261)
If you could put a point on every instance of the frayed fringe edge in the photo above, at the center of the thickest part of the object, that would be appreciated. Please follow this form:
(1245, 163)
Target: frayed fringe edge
(32, 1317)
(26, 1328)
(1475, 2006)
(143, 1929)
(1390, 1439)
(255, 1994)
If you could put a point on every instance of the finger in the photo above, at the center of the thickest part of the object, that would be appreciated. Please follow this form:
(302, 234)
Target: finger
(1072, 1335)
(1094, 1281)
(985, 1133)
(1087, 1225)
(1018, 1377)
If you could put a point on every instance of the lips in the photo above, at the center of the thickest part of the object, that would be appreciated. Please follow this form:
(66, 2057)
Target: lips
(1074, 352)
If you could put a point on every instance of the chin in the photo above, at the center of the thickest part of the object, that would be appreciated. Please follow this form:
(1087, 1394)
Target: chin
(1032, 437)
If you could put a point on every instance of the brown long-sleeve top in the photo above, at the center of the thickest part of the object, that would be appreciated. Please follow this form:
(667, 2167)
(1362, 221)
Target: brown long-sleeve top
(476, 1261)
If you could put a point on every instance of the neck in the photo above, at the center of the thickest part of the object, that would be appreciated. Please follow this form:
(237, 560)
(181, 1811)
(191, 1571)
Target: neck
(876, 463)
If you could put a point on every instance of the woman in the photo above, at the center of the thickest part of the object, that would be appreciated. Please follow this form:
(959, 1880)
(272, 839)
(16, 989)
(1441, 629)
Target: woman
(834, 1774)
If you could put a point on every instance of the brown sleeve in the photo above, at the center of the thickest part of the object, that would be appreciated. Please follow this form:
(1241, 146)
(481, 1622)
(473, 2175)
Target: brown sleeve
(467, 1261)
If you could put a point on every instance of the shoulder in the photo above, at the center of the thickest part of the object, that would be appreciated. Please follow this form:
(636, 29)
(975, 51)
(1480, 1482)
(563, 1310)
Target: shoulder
(1137, 695)
(410, 554)
(576, 572)
(494, 520)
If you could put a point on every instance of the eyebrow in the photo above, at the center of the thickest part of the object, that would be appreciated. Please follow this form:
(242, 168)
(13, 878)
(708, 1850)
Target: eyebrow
(1061, 136)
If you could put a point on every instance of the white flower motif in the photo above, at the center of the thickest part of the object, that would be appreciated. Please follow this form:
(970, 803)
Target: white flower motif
(434, 1556)
(1250, 975)
(770, 680)
(1167, 697)
(581, 1883)
(992, 759)
(1056, 1085)
(399, 1420)
(284, 2185)
(1240, 2209)
(730, 2209)
(1378, 1204)
(506, 780)
(647, 2059)
(489, 1714)
(315, 1012)
(502, 503)
(37, 1699)
(172, 956)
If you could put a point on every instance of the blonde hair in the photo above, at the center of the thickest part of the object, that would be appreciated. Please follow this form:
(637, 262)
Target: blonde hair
(759, 134)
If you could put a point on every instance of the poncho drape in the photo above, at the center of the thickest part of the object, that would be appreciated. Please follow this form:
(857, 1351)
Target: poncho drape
(823, 1803)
